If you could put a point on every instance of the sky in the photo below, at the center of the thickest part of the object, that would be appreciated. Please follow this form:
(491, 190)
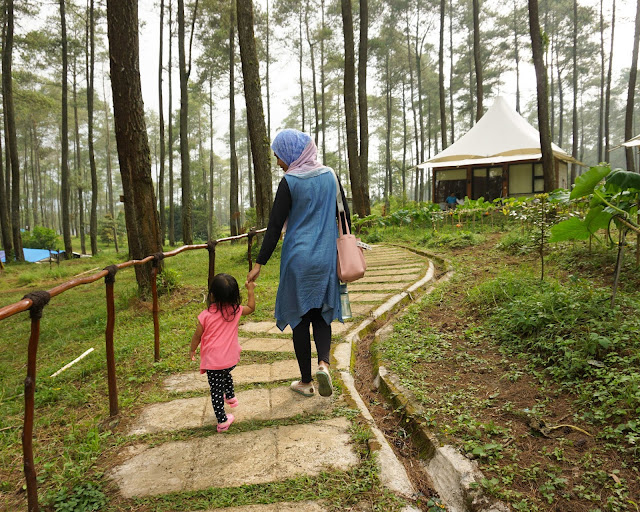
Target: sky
(284, 75)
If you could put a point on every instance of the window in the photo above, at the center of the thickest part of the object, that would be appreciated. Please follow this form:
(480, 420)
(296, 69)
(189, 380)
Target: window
(520, 179)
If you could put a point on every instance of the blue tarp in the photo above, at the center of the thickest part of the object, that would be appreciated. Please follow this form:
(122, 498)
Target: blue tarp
(32, 255)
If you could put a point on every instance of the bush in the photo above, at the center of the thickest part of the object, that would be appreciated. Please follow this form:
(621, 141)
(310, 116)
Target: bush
(167, 281)
(40, 238)
(515, 243)
(82, 498)
(454, 240)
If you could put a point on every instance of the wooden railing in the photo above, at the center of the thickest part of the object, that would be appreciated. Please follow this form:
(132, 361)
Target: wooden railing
(35, 302)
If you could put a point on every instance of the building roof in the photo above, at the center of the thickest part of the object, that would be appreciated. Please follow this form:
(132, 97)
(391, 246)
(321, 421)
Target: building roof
(634, 141)
(501, 135)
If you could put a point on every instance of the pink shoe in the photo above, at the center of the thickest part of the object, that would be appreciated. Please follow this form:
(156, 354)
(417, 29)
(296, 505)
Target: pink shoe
(231, 402)
(223, 427)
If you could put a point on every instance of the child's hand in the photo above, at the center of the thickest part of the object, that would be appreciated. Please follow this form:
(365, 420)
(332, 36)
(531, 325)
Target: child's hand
(250, 285)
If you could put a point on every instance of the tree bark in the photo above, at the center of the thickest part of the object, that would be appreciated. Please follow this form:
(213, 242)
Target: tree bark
(387, 183)
(322, 88)
(316, 128)
(516, 53)
(550, 182)
(633, 74)
(163, 156)
(234, 212)
(362, 103)
(109, 177)
(350, 109)
(302, 109)
(93, 221)
(477, 59)
(185, 173)
(78, 160)
(5, 221)
(172, 214)
(131, 135)
(443, 110)
(451, 110)
(64, 159)
(607, 100)
(574, 121)
(601, 95)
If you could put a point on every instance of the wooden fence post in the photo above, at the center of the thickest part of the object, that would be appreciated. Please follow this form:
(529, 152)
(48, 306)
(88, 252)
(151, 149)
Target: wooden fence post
(211, 247)
(251, 234)
(39, 301)
(109, 280)
(157, 258)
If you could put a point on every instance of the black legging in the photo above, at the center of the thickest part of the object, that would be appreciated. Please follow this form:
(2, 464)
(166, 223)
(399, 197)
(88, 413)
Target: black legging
(221, 387)
(302, 341)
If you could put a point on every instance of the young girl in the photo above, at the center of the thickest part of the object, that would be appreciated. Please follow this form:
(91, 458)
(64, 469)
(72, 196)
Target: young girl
(217, 332)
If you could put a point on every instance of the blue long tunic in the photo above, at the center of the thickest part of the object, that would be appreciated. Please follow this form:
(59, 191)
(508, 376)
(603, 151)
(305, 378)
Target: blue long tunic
(308, 275)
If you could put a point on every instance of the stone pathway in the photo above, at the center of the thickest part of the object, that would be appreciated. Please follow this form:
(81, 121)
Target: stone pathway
(315, 435)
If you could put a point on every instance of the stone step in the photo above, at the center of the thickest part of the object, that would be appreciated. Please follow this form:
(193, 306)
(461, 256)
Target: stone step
(230, 460)
(271, 328)
(390, 288)
(367, 297)
(396, 271)
(270, 344)
(243, 374)
(255, 404)
(390, 278)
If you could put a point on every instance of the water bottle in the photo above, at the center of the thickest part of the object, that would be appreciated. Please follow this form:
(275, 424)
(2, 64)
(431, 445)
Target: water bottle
(345, 305)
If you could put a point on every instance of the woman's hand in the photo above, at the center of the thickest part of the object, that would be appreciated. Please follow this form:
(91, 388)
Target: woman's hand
(254, 273)
(192, 354)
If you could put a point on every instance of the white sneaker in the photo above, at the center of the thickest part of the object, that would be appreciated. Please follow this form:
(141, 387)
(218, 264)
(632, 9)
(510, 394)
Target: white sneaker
(302, 388)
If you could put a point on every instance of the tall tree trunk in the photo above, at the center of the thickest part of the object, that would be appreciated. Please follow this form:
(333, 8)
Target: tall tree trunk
(472, 113)
(64, 169)
(267, 65)
(443, 110)
(78, 170)
(302, 106)
(172, 214)
(362, 103)
(93, 222)
(387, 187)
(404, 144)
(163, 157)
(322, 87)
(249, 173)
(607, 101)
(477, 59)
(550, 182)
(574, 121)
(234, 212)
(316, 128)
(552, 108)
(185, 173)
(560, 106)
(350, 109)
(210, 224)
(516, 53)
(418, 56)
(601, 96)
(108, 165)
(131, 135)
(12, 143)
(5, 221)
(413, 106)
(451, 108)
(35, 177)
(633, 74)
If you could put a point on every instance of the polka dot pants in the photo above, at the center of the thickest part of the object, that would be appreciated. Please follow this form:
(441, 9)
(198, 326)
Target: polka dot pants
(220, 385)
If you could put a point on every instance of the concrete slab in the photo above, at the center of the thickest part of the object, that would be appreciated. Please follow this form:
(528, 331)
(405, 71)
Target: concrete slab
(386, 278)
(270, 328)
(367, 297)
(376, 287)
(266, 455)
(361, 309)
(243, 374)
(394, 271)
(267, 344)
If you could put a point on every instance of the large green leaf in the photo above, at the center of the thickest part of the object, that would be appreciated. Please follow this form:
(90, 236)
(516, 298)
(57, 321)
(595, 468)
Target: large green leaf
(597, 219)
(570, 229)
(585, 183)
(624, 179)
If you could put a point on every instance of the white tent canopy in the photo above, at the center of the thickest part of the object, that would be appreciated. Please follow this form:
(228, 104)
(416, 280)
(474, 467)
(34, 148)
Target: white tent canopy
(501, 135)
(634, 141)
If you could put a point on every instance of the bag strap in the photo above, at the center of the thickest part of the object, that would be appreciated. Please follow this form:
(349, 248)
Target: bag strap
(343, 228)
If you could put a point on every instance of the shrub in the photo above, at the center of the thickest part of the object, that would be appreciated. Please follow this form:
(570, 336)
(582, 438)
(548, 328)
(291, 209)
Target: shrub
(40, 238)
(167, 281)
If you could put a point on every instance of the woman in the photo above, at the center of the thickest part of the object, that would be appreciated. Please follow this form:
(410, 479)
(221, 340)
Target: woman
(309, 292)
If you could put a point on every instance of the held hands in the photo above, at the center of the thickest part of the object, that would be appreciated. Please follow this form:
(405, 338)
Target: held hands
(250, 286)
(254, 273)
